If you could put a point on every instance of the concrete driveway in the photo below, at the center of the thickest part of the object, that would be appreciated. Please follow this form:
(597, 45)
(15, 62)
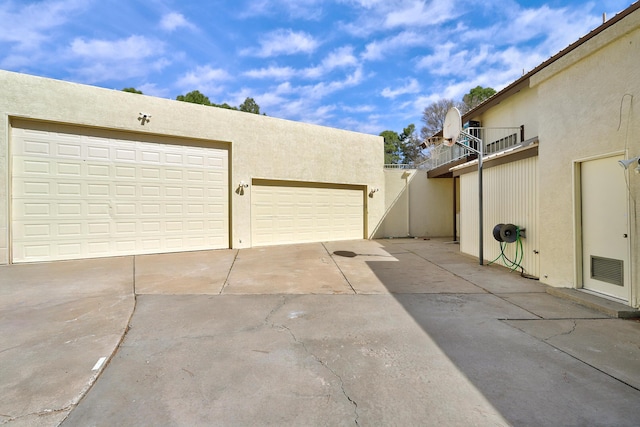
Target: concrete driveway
(401, 332)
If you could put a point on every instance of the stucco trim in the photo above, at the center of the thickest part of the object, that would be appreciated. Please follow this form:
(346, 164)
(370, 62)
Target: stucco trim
(500, 159)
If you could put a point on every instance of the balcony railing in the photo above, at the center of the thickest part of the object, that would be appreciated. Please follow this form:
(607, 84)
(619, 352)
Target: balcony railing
(495, 140)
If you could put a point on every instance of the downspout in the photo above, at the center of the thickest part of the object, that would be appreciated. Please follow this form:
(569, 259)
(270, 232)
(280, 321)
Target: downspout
(408, 206)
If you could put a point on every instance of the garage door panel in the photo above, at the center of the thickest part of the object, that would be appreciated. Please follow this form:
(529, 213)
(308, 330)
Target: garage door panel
(284, 214)
(77, 196)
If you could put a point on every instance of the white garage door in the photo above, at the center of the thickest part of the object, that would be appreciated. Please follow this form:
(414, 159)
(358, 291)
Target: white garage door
(283, 213)
(81, 193)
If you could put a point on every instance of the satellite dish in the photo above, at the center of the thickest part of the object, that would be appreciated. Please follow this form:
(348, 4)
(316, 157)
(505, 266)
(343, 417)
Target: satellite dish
(452, 126)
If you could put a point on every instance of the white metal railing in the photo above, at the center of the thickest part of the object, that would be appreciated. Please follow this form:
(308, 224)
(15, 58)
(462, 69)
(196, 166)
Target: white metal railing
(494, 140)
(426, 164)
(398, 166)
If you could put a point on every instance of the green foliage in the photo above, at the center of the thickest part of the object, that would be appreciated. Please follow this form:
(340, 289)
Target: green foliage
(250, 106)
(196, 97)
(132, 90)
(410, 146)
(391, 147)
(402, 148)
(477, 96)
(225, 106)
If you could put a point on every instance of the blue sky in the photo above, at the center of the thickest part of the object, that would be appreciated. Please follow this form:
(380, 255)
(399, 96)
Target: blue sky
(362, 65)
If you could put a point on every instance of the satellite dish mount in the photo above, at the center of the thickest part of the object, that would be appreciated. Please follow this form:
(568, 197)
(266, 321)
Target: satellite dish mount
(451, 131)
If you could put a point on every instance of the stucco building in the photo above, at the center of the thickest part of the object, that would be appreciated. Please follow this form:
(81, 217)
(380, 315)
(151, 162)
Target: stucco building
(91, 172)
(553, 140)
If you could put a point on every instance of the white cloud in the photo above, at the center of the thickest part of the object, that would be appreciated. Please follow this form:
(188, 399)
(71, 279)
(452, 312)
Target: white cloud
(305, 102)
(28, 26)
(412, 86)
(495, 56)
(133, 47)
(16, 62)
(277, 73)
(417, 13)
(367, 4)
(203, 78)
(174, 20)
(283, 42)
(152, 89)
(449, 60)
(102, 60)
(367, 108)
(559, 27)
(308, 10)
(323, 89)
(378, 50)
(96, 72)
(342, 57)
(377, 15)
(370, 124)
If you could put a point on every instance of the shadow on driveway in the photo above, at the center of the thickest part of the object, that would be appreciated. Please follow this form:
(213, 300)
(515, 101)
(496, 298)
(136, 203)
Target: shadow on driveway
(407, 332)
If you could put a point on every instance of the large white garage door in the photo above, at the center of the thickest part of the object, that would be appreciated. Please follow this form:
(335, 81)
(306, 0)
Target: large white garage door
(283, 213)
(82, 193)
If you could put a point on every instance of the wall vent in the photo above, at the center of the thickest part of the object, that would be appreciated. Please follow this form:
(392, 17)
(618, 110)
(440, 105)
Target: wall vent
(607, 270)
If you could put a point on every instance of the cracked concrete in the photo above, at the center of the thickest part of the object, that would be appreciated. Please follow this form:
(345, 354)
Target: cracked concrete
(252, 357)
(54, 327)
(324, 364)
(609, 345)
(296, 360)
(406, 333)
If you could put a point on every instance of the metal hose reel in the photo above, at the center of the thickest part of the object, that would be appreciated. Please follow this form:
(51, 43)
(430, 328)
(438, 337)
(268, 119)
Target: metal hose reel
(508, 233)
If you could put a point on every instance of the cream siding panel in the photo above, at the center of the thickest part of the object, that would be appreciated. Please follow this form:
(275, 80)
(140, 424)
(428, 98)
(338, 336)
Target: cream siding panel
(300, 214)
(510, 197)
(469, 213)
(79, 196)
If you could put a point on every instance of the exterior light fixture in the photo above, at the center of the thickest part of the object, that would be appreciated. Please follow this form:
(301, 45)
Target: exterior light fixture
(629, 162)
(144, 118)
(373, 191)
(241, 187)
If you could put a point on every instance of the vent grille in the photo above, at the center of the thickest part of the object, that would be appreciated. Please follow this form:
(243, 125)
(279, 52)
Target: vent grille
(607, 270)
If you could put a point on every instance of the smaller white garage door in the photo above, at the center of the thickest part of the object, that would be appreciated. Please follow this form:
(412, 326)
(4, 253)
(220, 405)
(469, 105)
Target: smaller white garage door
(285, 212)
(85, 193)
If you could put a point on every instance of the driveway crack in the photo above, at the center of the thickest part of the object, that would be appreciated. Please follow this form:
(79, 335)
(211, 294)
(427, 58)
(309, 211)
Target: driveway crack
(573, 328)
(281, 302)
(328, 368)
(42, 413)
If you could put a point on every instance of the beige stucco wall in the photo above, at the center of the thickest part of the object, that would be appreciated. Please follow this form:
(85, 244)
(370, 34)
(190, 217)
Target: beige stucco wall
(395, 222)
(260, 146)
(416, 205)
(588, 106)
(431, 208)
(517, 110)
